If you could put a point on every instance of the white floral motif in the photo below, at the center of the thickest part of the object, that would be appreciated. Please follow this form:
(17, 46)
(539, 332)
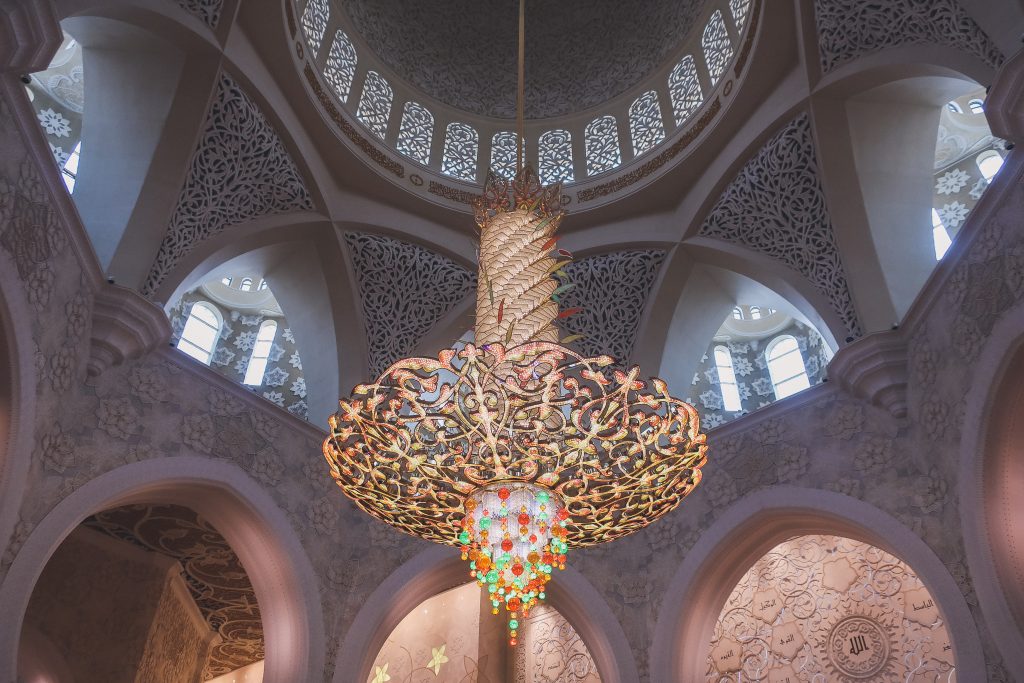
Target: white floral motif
(223, 356)
(979, 189)
(712, 420)
(295, 361)
(275, 397)
(250, 320)
(952, 182)
(59, 155)
(763, 387)
(712, 400)
(952, 215)
(299, 387)
(742, 366)
(299, 409)
(276, 353)
(245, 340)
(275, 377)
(54, 123)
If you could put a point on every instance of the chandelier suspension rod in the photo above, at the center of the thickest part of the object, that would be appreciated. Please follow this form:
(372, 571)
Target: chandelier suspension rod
(521, 90)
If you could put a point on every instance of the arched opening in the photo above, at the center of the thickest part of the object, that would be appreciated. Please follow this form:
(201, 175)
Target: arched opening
(453, 637)
(143, 592)
(241, 332)
(829, 607)
(751, 530)
(437, 571)
(249, 520)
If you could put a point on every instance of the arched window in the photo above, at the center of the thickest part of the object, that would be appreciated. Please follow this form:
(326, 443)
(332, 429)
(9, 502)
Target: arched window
(340, 69)
(601, 140)
(201, 331)
(263, 284)
(416, 132)
(740, 10)
(314, 23)
(976, 106)
(375, 104)
(645, 124)
(70, 168)
(717, 48)
(260, 353)
(684, 89)
(727, 379)
(755, 313)
(246, 285)
(555, 162)
(226, 281)
(786, 366)
(737, 313)
(989, 162)
(939, 236)
(503, 154)
(461, 144)
(954, 107)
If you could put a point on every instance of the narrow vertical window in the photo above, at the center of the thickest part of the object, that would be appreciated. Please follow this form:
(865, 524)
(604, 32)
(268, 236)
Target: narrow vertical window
(314, 23)
(727, 380)
(555, 157)
(260, 353)
(375, 104)
(461, 145)
(737, 313)
(989, 163)
(201, 331)
(645, 124)
(684, 89)
(70, 168)
(940, 236)
(263, 285)
(246, 285)
(755, 313)
(601, 141)
(717, 48)
(786, 366)
(416, 132)
(976, 106)
(740, 10)
(226, 281)
(503, 154)
(340, 69)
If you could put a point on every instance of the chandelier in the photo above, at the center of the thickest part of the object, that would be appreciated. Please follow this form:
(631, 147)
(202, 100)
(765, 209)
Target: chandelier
(515, 448)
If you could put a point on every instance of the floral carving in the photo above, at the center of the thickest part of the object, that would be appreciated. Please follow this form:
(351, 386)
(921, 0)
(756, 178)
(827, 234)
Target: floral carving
(404, 290)
(848, 29)
(240, 170)
(147, 384)
(29, 231)
(776, 205)
(117, 417)
(322, 514)
(197, 432)
(207, 11)
(844, 421)
(57, 451)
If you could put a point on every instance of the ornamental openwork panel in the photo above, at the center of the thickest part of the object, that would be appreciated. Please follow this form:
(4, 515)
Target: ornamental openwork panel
(412, 447)
(340, 69)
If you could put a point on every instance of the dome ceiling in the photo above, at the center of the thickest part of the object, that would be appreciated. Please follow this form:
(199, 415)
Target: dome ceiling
(579, 53)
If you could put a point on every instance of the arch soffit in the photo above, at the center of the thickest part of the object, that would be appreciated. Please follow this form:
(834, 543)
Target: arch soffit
(166, 19)
(437, 569)
(255, 527)
(977, 448)
(754, 525)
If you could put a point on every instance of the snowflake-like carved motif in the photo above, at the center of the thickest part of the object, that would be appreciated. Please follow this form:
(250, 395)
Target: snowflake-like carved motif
(717, 46)
(684, 89)
(601, 142)
(776, 205)
(554, 149)
(340, 69)
(375, 104)
(432, 431)
(416, 132)
(461, 144)
(646, 126)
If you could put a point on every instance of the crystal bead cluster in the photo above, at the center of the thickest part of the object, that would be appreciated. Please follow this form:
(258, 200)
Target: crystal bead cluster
(514, 536)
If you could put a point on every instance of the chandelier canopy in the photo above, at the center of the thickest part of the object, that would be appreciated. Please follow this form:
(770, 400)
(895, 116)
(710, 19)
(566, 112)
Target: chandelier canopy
(515, 448)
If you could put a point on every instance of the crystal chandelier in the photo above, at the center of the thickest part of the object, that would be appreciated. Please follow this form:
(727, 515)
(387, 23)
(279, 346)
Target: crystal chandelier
(515, 448)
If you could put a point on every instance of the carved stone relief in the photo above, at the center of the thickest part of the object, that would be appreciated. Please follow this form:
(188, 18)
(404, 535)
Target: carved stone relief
(216, 579)
(404, 289)
(776, 205)
(611, 291)
(240, 170)
(829, 608)
(848, 29)
(207, 11)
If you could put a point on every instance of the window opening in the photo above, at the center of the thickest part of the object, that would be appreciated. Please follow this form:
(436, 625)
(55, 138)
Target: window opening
(260, 353)
(727, 379)
(786, 367)
(201, 331)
